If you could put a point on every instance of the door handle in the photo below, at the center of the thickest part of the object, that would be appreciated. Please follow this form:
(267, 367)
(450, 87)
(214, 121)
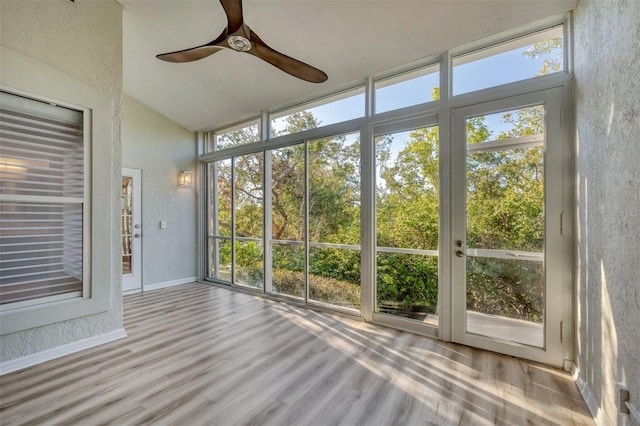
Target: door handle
(459, 253)
(137, 235)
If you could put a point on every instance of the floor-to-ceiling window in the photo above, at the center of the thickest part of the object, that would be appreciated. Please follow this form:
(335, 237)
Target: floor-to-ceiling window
(407, 223)
(368, 200)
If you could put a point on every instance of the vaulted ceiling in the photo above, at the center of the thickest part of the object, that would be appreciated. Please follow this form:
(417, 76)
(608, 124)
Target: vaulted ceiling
(348, 39)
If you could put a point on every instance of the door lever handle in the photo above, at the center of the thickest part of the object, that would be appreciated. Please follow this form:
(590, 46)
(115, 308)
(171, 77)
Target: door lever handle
(137, 235)
(459, 253)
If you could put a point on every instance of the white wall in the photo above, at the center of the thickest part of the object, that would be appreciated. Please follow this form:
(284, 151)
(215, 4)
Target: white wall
(607, 76)
(72, 52)
(161, 148)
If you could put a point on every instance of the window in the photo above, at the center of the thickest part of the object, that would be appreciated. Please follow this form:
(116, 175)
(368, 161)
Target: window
(408, 89)
(247, 132)
(334, 109)
(526, 57)
(407, 223)
(42, 198)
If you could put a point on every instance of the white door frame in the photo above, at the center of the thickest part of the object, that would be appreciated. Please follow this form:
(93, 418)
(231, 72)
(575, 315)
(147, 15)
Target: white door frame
(133, 282)
(558, 232)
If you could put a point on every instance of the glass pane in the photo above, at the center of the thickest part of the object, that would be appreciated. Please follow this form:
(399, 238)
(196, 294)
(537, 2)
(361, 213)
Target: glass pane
(505, 299)
(334, 217)
(334, 189)
(238, 135)
(407, 222)
(411, 88)
(249, 219)
(334, 276)
(505, 225)
(334, 109)
(506, 125)
(288, 193)
(220, 259)
(407, 285)
(126, 198)
(288, 220)
(249, 263)
(220, 198)
(526, 57)
(41, 250)
(505, 200)
(288, 269)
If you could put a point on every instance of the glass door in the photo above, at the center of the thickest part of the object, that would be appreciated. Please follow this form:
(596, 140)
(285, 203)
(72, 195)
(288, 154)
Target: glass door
(131, 239)
(508, 251)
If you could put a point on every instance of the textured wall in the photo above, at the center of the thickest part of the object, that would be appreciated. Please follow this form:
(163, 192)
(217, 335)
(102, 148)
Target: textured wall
(160, 148)
(81, 42)
(607, 75)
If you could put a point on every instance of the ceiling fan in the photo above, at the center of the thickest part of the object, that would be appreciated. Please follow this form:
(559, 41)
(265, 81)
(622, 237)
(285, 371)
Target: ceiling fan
(239, 37)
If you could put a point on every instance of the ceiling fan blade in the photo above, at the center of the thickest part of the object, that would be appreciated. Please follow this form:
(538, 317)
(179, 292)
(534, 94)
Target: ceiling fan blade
(233, 9)
(189, 55)
(195, 53)
(286, 63)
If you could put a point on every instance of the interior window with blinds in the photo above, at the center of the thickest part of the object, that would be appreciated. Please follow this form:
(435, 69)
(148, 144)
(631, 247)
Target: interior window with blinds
(41, 201)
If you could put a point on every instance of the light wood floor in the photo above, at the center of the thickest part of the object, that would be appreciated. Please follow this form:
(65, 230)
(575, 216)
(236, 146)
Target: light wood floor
(198, 354)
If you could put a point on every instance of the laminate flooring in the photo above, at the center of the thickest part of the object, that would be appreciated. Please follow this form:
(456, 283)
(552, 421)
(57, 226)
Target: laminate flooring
(199, 355)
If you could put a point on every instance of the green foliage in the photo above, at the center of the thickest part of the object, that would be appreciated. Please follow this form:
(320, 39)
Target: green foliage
(544, 48)
(407, 284)
(505, 287)
(322, 289)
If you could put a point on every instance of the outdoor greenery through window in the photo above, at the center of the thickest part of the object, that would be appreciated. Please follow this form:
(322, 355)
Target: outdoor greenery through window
(248, 220)
(505, 216)
(219, 220)
(288, 220)
(242, 134)
(407, 222)
(334, 220)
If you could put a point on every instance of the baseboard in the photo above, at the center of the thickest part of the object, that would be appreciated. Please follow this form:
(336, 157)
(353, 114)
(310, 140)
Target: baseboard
(588, 396)
(171, 283)
(12, 365)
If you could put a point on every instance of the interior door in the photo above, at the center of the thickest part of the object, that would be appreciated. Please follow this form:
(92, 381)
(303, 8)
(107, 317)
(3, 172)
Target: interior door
(509, 255)
(131, 239)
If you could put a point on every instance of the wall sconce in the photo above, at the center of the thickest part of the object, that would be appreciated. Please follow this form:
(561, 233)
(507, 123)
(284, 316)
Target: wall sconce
(185, 178)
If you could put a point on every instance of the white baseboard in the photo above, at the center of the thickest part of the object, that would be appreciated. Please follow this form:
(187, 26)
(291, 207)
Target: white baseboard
(588, 396)
(12, 365)
(171, 283)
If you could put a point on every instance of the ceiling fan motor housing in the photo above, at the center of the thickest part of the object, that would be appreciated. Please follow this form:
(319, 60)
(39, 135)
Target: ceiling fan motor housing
(239, 43)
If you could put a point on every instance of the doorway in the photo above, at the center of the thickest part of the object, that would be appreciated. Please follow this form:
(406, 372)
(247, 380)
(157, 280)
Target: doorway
(131, 240)
(510, 235)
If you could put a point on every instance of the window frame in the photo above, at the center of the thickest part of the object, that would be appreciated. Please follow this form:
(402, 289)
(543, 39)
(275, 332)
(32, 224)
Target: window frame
(27, 77)
(39, 199)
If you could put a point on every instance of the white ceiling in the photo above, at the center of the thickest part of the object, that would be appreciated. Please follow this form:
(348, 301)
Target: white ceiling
(348, 39)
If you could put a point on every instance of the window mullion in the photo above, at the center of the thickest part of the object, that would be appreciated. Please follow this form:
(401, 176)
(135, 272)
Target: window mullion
(267, 217)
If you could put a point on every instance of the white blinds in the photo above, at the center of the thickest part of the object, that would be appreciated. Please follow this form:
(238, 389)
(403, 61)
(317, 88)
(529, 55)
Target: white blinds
(41, 199)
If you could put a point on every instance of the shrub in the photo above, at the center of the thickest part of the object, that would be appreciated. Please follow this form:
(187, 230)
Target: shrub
(322, 289)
